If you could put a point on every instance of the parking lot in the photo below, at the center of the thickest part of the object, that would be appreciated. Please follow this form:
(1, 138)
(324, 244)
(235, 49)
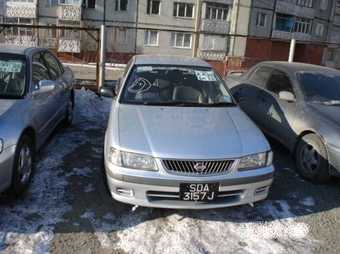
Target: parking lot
(66, 209)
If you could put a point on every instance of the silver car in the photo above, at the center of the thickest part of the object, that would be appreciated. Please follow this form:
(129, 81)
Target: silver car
(36, 94)
(298, 105)
(176, 138)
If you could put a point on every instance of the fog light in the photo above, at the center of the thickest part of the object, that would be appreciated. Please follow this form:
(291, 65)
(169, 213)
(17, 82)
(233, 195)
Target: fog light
(260, 190)
(125, 192)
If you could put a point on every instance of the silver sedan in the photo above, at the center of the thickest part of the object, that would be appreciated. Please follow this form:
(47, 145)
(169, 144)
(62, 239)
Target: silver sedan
(298, 105)
(36, 94)
(176, 138)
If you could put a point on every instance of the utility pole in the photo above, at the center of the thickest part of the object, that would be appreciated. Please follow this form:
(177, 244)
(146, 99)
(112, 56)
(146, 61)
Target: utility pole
(104, 13)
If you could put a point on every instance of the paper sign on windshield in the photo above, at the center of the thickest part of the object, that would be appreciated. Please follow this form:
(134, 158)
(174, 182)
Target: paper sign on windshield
(10, 66)
(205, 75)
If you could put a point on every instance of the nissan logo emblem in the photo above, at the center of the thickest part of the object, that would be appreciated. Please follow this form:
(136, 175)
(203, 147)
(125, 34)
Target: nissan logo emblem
(200, 167)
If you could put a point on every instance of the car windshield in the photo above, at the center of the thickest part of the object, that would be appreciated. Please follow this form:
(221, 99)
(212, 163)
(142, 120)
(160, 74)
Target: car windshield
(12, 76)
(175, 86)
(321, 88)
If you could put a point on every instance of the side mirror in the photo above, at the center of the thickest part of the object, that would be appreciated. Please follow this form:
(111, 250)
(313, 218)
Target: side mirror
(108, 91)
(46, 86)
(239, 96)
(287, 96)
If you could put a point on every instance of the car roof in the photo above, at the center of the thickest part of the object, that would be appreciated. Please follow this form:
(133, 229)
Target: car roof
(170, 60)
(298, 67)
(16, 49)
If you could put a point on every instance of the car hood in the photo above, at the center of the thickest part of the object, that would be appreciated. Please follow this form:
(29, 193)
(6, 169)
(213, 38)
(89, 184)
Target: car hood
(5, 105)
(188, 132)
(329, 113)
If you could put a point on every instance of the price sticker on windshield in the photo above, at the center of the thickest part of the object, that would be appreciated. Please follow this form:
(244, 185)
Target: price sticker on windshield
(10, 66)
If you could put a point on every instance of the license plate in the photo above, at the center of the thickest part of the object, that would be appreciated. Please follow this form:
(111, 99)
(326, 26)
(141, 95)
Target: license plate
(198, 191)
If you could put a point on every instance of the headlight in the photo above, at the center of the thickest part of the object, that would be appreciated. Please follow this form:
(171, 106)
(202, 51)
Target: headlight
(256, 161)
(132, 160)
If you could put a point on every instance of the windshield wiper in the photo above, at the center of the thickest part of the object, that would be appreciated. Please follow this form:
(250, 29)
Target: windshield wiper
(221, 104)
(174, 103)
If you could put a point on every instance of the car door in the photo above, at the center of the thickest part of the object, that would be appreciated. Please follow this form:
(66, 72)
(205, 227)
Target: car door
(44, 102)
(61, 90)
(251, 85)
(277, 115)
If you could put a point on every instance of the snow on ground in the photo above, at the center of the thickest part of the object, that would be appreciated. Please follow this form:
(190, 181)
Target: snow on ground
(27, 225)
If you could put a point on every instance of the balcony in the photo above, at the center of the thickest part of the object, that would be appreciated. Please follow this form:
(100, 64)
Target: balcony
(21, 40)
(277, 34)
(211, 54)
(289, 7)
(215, 26)
(69, 12)
(20, 10)
(69, 45)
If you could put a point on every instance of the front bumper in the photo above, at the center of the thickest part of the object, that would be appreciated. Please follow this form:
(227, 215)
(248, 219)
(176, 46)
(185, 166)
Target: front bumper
(6, 167)
(334, 160)
(161, 189)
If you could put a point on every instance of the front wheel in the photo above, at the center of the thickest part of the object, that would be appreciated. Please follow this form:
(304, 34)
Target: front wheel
(69, 112)
(23, 165)
(312, 159)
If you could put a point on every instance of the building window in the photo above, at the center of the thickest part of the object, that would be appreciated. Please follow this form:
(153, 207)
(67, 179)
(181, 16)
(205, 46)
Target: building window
(21, 31)
(153, 7)
(214, 42)
(302, 25)
(284, 22)
(89, 4)
(51, 32)
(121, 5)
(183, 10)
(331, 54)
(323, 5)
(70, 2)
(261, 20)
(305, 3)
(122, 36)
(21, 1)
(216, 11)
(181, 40)
(151, 38)
(337, 8)
(68, 33)
(52, 3)
(319, 29)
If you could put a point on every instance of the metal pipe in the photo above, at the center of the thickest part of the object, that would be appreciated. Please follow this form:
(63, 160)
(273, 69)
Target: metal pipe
(292, 50)
(102, 59)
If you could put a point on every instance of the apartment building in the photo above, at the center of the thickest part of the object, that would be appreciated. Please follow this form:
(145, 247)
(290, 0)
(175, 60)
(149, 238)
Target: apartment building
(231, 34)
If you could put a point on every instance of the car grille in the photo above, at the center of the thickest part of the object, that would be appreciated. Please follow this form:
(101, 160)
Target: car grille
(197, 167)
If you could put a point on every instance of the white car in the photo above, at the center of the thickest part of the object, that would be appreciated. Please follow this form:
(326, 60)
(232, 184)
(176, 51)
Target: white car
(176, 138)
(36, 94)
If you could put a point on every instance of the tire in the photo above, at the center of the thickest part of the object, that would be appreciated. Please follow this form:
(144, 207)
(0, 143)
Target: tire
(312, 160)
(104, 177)
(69, 112)
(23, 165)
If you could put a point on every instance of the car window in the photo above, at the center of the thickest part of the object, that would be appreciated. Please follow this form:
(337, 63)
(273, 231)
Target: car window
(157, 83)
(260, 76)
(279, 82)
(39, 71)
(320, 88)
(54, 66)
